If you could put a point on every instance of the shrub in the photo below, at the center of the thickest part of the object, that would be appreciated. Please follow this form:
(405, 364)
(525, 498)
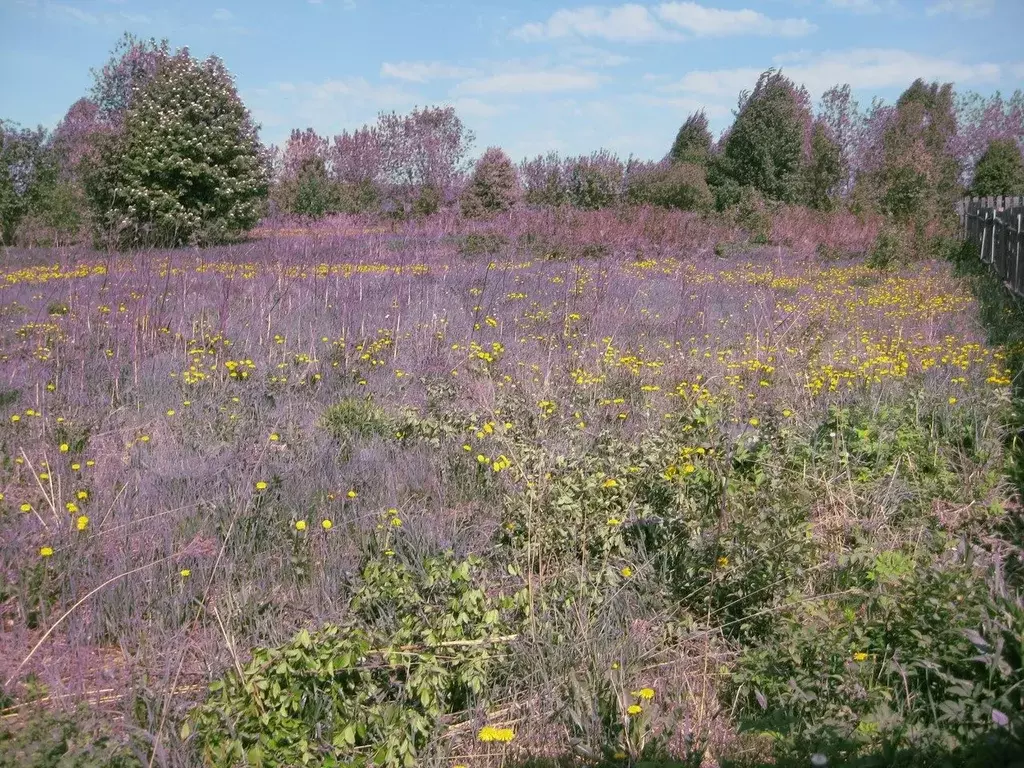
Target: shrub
(681, 185)
(187, 164)
(544, 180)
(594, 181)
(492, 188)
(1000, 171)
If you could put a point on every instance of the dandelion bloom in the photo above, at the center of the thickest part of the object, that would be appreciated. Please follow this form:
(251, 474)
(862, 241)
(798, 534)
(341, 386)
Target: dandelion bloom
(754, 422)
(45, 551)
(634, 709)
(76, 466)
(490, 733)
(261, 486)
(275, 437)
(352, 494)
(627, 571)
(723, 561)
(644, 693)
(72, 507)
(185, 573)
(396, 522)
(82, 522)
(609, 483)
(64, 448)
(326, 525)
(300, 525)
(613, 521)
(26, 507)
(860, 656)
(170, 412)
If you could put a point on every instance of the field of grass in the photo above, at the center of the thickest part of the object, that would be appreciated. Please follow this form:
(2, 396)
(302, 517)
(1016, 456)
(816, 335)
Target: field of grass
(417, 497)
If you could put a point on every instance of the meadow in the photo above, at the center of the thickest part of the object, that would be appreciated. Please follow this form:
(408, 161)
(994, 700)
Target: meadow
(599, 488)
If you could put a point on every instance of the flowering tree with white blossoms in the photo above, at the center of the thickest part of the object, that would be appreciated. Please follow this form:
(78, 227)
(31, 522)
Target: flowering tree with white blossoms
(186, 165)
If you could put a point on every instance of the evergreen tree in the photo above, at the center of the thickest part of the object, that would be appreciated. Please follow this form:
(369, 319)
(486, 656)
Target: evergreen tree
(693, 142)
(494, 186)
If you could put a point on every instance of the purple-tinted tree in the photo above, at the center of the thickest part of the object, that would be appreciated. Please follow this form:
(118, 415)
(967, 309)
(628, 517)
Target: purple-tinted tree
(423, 154)
(302, 185)
(493, 187)
(544, 180)
(133, 62)
(1000, 171)
(840, 114)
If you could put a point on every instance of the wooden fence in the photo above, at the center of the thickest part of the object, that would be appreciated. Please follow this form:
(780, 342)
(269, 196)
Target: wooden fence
(996, 224)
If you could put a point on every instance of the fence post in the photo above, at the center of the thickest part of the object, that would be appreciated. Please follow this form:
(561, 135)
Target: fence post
(1016, 270)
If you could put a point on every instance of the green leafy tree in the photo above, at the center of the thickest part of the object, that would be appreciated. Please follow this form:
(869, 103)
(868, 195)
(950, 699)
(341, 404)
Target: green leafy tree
(494, 186)
(315, 195)
(824, 172)
(186, 165)
(693, 142)
(765, 148)
(1000, 171)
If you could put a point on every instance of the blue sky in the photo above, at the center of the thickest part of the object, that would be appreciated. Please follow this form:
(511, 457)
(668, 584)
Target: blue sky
(528, 76)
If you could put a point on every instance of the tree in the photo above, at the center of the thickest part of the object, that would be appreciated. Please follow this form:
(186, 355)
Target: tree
(770, 139)
(302, 184)
(840, 115)
(1000, 171)
(825, 171)
(426, 148)
(693, 142)
(25, 171)
(185, 165)
(133, 62)
(544, 180)
(494, 186)
(910, 172)
(980, 121)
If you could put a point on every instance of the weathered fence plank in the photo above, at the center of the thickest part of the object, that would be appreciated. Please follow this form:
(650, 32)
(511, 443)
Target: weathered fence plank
(996, 224)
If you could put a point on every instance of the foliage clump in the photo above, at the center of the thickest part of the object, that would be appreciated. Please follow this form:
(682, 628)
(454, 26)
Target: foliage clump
(1000, 171)
(493, 187)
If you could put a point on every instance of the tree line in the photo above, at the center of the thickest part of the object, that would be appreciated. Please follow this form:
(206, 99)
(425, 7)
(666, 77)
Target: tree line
(163, 152)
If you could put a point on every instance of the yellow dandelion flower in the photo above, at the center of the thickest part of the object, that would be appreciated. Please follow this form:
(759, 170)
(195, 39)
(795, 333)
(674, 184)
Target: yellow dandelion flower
(352, 494)
(490, 733)
(76, 466)
(82, 522)
(71, 507)
(754, 422)
(261, 486)
(300, 525)
(45, 551)
(613, 521)
(860, 656)
(609, 483)
(274, 437)
(64, 448)
(26, 507)
(634, 709)
(722, 562)
(15, 418)
(626, 572)
(82, 495)
(952, 401)
(644, 693)
(185, 573)
(396, 522)
(326, 525)
(170, 411)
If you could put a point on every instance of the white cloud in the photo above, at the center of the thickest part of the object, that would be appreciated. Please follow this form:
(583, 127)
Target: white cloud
(628, 23)
(587, 56)
(966, 8)
(701, 21)
(223, 14)
(634, 23)
(422, 71)
(469, 107)
(860, 6)
(685, 104)
(529, 82)
(867, 68)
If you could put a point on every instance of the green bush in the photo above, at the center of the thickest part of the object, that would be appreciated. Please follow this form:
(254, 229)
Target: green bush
(1000, 171)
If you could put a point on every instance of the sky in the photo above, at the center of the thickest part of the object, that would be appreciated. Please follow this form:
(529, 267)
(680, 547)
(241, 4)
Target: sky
(528, 76)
